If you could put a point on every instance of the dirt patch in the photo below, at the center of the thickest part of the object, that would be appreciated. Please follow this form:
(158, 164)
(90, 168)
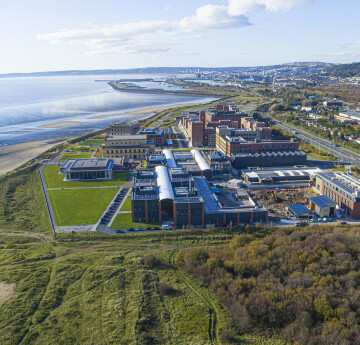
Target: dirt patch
(7, 292)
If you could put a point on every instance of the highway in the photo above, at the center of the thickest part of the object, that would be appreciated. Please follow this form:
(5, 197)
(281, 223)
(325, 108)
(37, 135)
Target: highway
(344, 154)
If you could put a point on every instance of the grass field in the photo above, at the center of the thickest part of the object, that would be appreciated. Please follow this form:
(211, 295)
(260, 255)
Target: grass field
(126, 206)
(55, 180)
(74, 156)
(91, 142)
(78, 206)
(124, 221)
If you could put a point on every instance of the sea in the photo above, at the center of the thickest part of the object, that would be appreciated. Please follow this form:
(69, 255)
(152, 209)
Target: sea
(28, 103)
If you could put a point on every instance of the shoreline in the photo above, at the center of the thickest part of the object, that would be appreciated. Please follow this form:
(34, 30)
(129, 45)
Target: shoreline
(13, 156)
(149, 111)
(61, 124)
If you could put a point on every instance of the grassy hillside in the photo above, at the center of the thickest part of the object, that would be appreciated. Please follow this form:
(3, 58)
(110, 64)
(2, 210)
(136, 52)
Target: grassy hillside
(22, 203)
(344, 70)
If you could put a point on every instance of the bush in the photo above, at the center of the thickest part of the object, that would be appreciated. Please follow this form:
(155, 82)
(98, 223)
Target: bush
(152, 261)
(165, 289)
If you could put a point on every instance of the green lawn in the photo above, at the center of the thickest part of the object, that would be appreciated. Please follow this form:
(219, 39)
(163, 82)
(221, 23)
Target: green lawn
(78, 206)
(91, 142)
(126, 206)
(124, 221)
(55, 180)
(74, 156)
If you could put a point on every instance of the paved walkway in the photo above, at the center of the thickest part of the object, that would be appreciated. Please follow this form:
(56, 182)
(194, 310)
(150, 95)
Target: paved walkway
(47, 200)
(84, 187)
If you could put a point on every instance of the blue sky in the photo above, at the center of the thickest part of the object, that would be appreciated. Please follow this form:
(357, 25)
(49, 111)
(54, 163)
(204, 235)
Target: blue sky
(42, 35)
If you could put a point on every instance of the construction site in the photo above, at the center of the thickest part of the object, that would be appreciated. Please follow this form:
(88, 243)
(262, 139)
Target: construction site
(276, 201)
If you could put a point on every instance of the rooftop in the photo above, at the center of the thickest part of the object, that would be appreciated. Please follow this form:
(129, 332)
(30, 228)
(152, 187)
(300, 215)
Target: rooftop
(88, 164)
(322, 200)
(345, 181)
(298, 209)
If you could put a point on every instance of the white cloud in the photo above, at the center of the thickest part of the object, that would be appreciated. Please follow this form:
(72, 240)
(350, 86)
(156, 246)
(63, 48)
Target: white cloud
(238, 7)
(160, 36)
(213, 17)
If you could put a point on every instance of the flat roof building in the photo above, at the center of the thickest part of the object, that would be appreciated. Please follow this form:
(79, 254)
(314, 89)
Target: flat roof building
(127, 146)
(268, 159)
(123, 128)
(280, 178)
(87, 169)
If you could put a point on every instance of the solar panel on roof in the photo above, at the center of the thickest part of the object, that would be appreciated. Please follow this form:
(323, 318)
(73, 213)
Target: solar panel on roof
(298, 209)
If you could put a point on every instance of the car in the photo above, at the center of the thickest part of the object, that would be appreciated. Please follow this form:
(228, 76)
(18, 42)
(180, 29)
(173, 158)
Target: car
(130, 229)
(148, 228)
(156, 228)
(139, 229)
(118, 231)
(343, 223)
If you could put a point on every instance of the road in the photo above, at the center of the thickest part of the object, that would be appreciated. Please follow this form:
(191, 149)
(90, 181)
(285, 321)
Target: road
(344, 154)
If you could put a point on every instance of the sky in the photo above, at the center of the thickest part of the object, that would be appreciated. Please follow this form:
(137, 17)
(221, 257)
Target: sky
(48, 35)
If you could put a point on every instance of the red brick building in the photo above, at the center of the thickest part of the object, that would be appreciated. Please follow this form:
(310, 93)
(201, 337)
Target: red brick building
(343, 188)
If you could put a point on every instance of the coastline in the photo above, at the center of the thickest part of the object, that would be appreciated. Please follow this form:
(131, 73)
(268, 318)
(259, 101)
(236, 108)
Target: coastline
(149, 111)
(60, 124)
(13, 156)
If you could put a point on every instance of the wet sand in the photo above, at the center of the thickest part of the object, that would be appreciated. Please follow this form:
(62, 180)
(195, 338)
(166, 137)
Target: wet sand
(61, 124)
(149, 110)
(13, 156)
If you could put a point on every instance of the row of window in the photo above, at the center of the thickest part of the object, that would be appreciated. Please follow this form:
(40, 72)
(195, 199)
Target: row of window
(125, 151)
(340, 200)
(334, 187)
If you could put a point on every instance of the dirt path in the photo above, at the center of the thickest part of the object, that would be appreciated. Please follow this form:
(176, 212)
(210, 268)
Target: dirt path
(7, 292)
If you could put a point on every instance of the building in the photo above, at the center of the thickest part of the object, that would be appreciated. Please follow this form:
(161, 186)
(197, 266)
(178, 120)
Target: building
(196, 133)
(127, 146)
(343, 188)
(323, 206)
(199, 126)
(155, 159)
(268, 159)
(280, 178)
(349, 115)
(158, 136)
(229, 143)
(333, 104)
(299, 211)
(220, 165)
(88, 169)
(174, 196)
(193, 161)
(123, 129)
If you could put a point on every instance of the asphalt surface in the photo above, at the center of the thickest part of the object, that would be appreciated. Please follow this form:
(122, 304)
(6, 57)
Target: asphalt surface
(344, 154)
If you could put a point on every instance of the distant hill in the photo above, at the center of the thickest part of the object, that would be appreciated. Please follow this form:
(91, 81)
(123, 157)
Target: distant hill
(174, 70)
(344, 70)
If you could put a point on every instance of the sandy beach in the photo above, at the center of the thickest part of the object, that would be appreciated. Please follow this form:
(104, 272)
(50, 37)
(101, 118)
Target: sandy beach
(13, 156)
(61, 124)
(149, 110)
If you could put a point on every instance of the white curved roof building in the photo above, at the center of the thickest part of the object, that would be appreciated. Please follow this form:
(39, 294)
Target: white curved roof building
(170, 160)
(164, 183)
(200, 160)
